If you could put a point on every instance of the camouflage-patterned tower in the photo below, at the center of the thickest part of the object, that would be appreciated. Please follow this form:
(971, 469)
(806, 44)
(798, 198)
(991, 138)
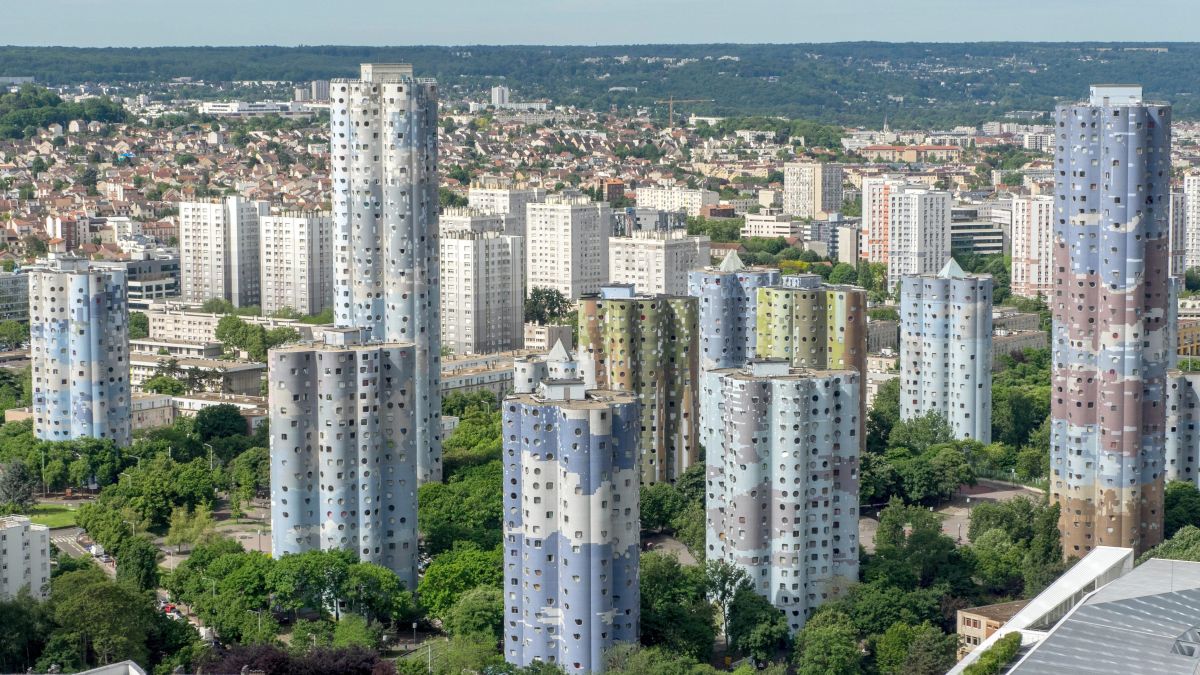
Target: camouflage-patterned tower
(647, 346)
(1111, 319)
(782, 453)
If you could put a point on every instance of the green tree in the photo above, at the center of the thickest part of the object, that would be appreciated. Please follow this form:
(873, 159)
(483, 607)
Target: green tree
(905, 649)
(353, 630)
(843, 273)
(139, 326)
(883, 417)
(13, 334)
(920, 433)
(457, 571)
(1181, 507)
(219, 421)
(468, 508)
(998, 562)
(828, 644)
(660, 504)
(163, 384)
(546, 306)
(722, 583)
(18, 486)
(107, 621)
(478, 611)
(912, 552)
(756, 627)
(137, 563)
(676, 615)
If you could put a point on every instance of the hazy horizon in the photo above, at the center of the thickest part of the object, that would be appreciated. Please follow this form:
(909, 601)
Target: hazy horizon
(227, 23)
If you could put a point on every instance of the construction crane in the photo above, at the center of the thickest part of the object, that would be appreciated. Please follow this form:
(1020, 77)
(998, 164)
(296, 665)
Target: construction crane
(671, 101)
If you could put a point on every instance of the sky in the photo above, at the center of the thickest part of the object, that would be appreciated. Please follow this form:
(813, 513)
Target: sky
(147, 23)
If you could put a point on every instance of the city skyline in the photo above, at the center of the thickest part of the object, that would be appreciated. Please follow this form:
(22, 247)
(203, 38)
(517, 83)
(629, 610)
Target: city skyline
(89, 23)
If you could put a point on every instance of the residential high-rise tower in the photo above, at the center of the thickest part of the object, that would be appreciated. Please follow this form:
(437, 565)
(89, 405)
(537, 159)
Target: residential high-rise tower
(1111, 306)
(219, 250)
(728, 297)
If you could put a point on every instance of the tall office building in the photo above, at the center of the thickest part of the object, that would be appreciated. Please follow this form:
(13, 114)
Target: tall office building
(876, 209)
(24, 558)
(79, 345)
(344, 434)
(728, 297)
(219, 250)
(1191, 219)
(571, 525)
(799, 543)
(946, 349)
(567, 245)
(811, 189)
(1032, 230)
(1182, 449)
(647, 345)
(918, 232)
(297, 262)
(483, 291)
(657, 262)
(492, 195)
(383, 137)
(1112, 312)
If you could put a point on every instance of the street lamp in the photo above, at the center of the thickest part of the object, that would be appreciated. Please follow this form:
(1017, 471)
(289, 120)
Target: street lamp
(210, 453)
(44, 489)
(131, 524)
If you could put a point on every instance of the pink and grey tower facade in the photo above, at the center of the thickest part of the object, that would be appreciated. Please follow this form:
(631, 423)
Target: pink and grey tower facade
(1111, 304)
(383, 166)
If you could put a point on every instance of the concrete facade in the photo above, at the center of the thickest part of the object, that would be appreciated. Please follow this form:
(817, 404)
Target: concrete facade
(811, 188)
(799, 544)
(728, 310)
(297, 262)
(344, 449)
(946, 350)
(646, 345)
(483, 291)
(918, 232)
(25, 558)
(507, 202)
(688, 200)
(812, 324)
(876, 209)
(571, 525)
(657, 262)
(14, 296)
(1182, 449)
(79, 345)
(567, 245)
(219, 250)
(383, 161)
(1032, 236)
(1112, 308)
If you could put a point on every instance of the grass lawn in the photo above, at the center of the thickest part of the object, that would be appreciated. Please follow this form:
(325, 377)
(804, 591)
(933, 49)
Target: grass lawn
(53, 515)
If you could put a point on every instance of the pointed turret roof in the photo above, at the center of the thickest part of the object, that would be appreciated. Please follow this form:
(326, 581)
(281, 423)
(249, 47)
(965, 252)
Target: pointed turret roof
(951, 270)
(559, 353)
(732, 263)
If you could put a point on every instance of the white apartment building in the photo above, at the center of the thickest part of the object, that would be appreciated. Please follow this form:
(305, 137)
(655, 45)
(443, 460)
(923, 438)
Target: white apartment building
(657, 262)
(24, 558)
(918, 232)
(1191, 220)
(495, 198)
(219, 250)
(811, 188)
(470, 219)
(771, 224)
(296, 258)
(876, 205)
(688, 200)
(1032, 240)
(1177, 234)
(567, 245)
(483, 291)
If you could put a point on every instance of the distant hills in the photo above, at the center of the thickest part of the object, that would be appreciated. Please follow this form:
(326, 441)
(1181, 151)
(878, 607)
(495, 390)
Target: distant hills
(913, 84)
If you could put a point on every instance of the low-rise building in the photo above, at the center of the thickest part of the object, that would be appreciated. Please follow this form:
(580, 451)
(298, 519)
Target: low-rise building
(1005, 342)
(173, 321)
(176, 348)
(252, 408)
(486, 372)
(976, 624)
(541, 337)
(225, 377)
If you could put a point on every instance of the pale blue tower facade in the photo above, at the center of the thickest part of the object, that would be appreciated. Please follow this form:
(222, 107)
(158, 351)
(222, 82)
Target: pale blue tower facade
(79, 348)
(728, 310)
(571, 525)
